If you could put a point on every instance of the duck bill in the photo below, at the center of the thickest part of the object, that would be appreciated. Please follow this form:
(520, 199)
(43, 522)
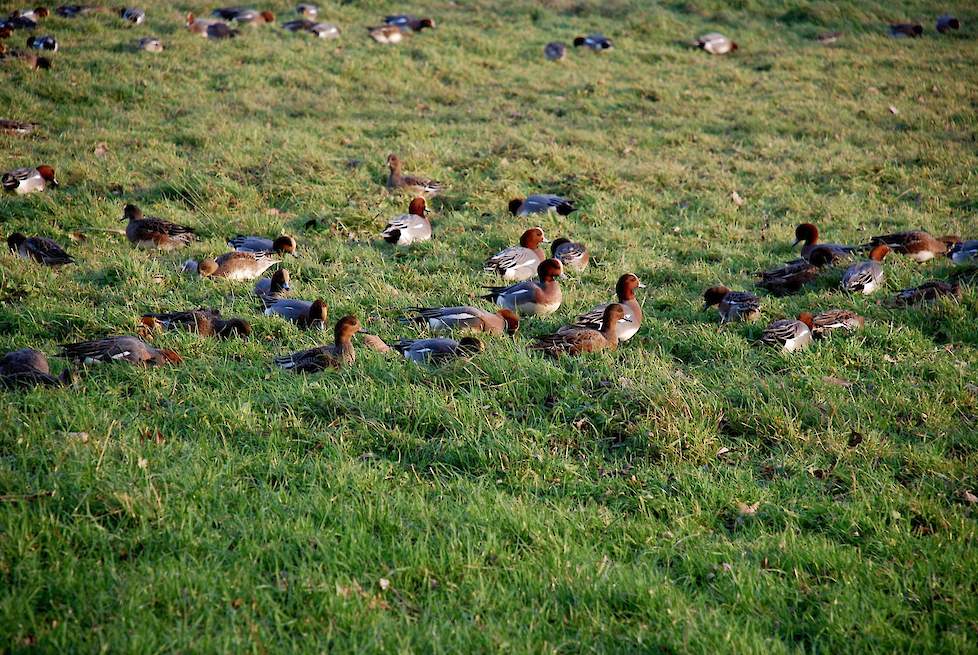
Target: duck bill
(54, 183)
(795, 244)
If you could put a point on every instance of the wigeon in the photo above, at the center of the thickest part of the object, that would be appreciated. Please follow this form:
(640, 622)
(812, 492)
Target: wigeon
(916, 244)
(732, 305)
(630, 324)
(555, 51)
(715, 44)
(29, 180)
(595, 42)
(306, 314)
(466, 318)
(541, 203)
(154, 233)
(233, 265)
(539, 297)
(964, 252)
(133, 15)
(519, 262)
(408, 22)
(574, 340)
(35, 14)
(413, 184)
(828, 38)
(46, 42)
(74, 11)
(209, 28)
(29, 59)
(150, 44)
(15, 22)
(906, 30)
(947, 23)
(832, 320)
(386, 34)
(789, 334)
(244, 16)
(18, 128)
(29, 368)
(274, 288)
(572, 255)
(788, 278)
(39, 249)
(438, 350)
(866, 276)
(307, 10)
(335, 355)
(927, 292)
(205, 322)
(807, 235)
(413, 227)
(282, 245)
(122, 348)
(321, 30)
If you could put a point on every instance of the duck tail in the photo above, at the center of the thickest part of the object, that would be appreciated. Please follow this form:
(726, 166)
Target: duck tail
(392, 236)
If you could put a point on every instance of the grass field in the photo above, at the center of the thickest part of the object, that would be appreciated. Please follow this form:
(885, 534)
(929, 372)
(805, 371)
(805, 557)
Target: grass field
(691, 492)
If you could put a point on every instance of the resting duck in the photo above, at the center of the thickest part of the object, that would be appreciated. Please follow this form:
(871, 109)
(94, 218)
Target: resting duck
(715, 44)
(539, 297)
(927, 292)
(732, 305)
(29, 368)
(438, 350)
(519, 262)
(574, 339)
(916, 244)
(540, 203)
(629, 326)
(281, 245)
(964, 252)
(321, 30)
(74, 11)
(416, 186)
(35, 14)
(308, 315)
(29, 180)
(46, 42)
(133, 15)
(154, 233)
(125, 348)
(413, 227)
(824, 323)
(233, 265)
(865, 277)
(789, 278)
(807, 234)
(466, 318)
(335, 355)
(29, 59)
(555, 51)
(210, 28)
(205, 322)
(247, 16)
(39, 249)
(789, 334)
(386, 34)
(947, 23)
(572, 255)
(901, 30)
(274, 288)
(411, 23)
(18, 128)
(150, 44)
(596, 42)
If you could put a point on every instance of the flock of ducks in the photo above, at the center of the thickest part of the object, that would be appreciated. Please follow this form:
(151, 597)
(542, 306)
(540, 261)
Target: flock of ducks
(530, 275)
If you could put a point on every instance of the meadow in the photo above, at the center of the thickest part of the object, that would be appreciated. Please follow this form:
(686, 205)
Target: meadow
(690, 492)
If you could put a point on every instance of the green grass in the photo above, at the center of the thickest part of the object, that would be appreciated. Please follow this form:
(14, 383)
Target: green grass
(512, 503)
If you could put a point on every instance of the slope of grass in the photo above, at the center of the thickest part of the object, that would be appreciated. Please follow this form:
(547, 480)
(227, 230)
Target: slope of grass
(690, 492)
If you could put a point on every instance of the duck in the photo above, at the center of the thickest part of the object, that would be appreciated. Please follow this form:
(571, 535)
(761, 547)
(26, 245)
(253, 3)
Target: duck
(520, 262)
(274, 288)
(150, 44)
(465, 317)
(386, 34)
(947, 23)
(540, 297)
(410, 23)
(788, 278)
(902, 30)
(46, 42)
(40, 249)
(75, 11)
(133, 15)
(337, 354)
(29, 180)
(119, 348)
(29, 59)
(715, 44)
(233, 265)
(154, 233)
(832, 320)
(866, 276)
(35, 14)
(304, 313)
(629, 326)
(438, 350)
(916, 244)
(245, 16)
(555, 51)
(596, 42)
(282, 245)
(789, 334)
(413, 227)
(572, 255)
(732, 305)
(17, 128)
(807, 235)
(29, 368)
(19, 22)
(307, 10)
(541, 203)
(828, 38)
(321, 30)
(575, 340)
(927, 292)
(416, 186)
(205, 322)
(964, 252)
(210, 28)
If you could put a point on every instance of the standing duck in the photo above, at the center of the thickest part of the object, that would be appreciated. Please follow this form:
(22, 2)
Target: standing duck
(540, 203)
(233, 265)
(280, 245)
(438, 350)
(124, 348)
(595, 42)
(789, 334)
(205, 322)
(519, 262)
(539, 297)
(274, 288)
(865, 277)
(807, 235)
(916, 244)
(715, 44)
(572, 255)
(732, 305)
(413, 227)
(410, 23)
(154, 233)
(29, 368)
(631, 322)
(416, 186)
(40, 249)
(574, 340)
(831, 320)
(308, 315)
(927, 292)
(29, 180)
(466, 318)
(335, 355)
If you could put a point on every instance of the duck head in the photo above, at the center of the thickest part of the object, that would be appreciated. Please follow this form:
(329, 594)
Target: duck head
(131, 213)
(417, 207)
(878, 253)
(233, 327)
(805, 233)
(280, 280)
(514, 205)
(714, 295)
(317, 315)
(532, 238)
(470, 345)
(613, 313)
(807, 319)
(625, 288)
(512, 321)
(285, 244)
(14, 240)
(345, 328)
(48, 174)
(550, 269)
(207, 268)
